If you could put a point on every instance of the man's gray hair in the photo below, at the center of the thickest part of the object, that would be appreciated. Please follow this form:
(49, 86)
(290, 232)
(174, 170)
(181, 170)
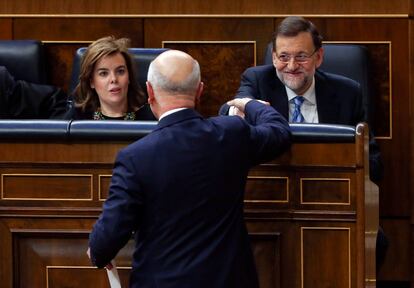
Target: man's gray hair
(188, 86)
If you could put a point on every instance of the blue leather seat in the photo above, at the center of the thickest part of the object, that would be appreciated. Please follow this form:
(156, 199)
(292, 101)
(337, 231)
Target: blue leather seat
(322, 133)
(24, 59)
(52, 130)
(112, 130)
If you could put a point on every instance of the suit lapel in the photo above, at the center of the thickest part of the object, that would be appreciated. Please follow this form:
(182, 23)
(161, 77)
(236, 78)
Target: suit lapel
(326, 100)
(279, 99)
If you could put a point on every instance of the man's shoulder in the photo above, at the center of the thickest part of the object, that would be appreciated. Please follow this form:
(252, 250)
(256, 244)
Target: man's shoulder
(335, 79)
(161, 138)
(141, 147)
(261, 69)
(262, 73)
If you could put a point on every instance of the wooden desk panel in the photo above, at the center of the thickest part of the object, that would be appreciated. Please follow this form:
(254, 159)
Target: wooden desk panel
(312, 215)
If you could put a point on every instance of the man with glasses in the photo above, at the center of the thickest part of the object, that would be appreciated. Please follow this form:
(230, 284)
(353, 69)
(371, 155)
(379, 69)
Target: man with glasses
(301, 93)
(320, 97)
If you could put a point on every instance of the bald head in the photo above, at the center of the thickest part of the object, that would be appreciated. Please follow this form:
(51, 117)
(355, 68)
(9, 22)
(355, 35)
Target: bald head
(175, 73)
(173, 82)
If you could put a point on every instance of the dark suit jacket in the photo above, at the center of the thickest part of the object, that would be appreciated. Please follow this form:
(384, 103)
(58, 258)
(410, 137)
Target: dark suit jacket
(338, 99)
(75, 113)
(181, 188)
(24, 100)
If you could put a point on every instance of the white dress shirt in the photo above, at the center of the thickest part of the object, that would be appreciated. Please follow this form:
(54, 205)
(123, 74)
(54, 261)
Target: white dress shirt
(308, 108)
(171, 112)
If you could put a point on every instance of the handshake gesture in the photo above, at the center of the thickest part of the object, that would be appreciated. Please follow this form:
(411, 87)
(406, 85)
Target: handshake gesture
(238, 105)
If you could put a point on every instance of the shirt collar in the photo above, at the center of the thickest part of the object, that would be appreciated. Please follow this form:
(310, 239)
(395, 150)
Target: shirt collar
(169, 112)
(309, 95)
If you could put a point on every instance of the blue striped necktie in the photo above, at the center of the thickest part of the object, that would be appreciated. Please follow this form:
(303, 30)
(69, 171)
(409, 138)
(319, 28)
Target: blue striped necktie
(297, 116)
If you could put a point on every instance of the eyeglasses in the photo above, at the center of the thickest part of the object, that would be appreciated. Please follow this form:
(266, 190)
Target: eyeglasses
(300, 58)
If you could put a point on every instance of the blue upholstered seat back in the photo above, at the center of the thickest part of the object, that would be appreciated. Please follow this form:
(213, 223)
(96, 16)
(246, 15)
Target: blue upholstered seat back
(24, 59)
(113, 130)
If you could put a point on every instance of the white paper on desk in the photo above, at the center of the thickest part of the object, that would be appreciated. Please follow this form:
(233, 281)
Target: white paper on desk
(113, 276)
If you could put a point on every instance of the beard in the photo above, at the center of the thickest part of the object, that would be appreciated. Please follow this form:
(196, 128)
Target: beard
(298, 83)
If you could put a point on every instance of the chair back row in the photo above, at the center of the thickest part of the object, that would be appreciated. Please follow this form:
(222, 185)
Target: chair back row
(25, 61)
